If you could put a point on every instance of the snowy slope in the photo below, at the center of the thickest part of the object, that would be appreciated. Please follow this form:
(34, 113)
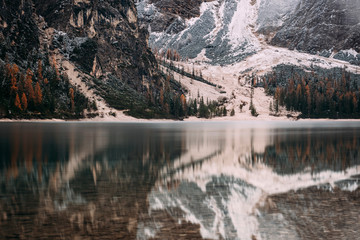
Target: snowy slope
(222, 32)
(229, 41)
(229, 31)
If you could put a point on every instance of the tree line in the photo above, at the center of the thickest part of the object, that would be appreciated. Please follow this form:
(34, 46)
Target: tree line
(176, 105)
(39, 92)
(315, 95)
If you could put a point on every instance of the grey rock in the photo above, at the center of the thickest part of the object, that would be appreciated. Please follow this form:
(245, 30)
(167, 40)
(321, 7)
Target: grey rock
(321, 25)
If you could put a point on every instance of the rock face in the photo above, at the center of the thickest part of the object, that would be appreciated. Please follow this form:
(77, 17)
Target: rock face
(321, 25)
(102, 38)
(109, 38)
(169, 15)
(215, 31)
(273, 13)
(224, 32)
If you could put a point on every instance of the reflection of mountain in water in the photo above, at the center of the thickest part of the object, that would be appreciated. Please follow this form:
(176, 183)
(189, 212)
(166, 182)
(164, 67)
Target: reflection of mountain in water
(72, 180)
(220, 188)
(175, 180)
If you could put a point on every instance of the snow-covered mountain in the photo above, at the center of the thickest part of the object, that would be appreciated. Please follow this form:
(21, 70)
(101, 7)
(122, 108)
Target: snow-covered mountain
(229, 31)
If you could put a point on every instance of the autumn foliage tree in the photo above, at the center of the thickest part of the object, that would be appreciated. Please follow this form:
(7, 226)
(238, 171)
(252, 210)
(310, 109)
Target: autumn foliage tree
(38, 94)
(17, 102)
(41, 91)
(71, 94)
(24, 101)
(172, 55)
(315, 95)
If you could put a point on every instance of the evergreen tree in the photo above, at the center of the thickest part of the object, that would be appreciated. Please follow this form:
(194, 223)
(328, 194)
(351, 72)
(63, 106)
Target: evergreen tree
(224, 112)
(38, 94)
(17, 102)
(24, 101)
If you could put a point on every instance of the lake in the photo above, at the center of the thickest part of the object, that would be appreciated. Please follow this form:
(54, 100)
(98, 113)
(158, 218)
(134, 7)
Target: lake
(230, 180)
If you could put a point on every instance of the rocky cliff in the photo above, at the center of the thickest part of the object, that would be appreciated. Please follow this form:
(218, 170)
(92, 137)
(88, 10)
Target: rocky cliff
(101, 39)
(215, 31)
(323, 27)
(224, 32)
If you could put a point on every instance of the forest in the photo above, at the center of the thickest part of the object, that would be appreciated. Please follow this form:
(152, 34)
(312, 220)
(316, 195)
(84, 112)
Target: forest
(332, 94)
(40, 92)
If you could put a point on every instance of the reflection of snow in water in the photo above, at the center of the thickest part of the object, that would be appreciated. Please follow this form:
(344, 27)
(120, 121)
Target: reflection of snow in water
(218, 187)
(224, 209)
(226, 206)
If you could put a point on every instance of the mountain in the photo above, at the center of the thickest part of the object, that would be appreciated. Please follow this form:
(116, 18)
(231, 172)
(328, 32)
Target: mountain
(262, 53)
(323, 27)
(225, 32)
(97, 47)
(76, 59)
(217, 30)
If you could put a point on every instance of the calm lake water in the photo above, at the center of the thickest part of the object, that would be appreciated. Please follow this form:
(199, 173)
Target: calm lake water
(261, 180)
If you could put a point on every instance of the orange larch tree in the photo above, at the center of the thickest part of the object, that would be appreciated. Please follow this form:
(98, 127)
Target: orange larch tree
(183, 101)
(54, 65)
(71, 94)
(38, 94)
(17, 102)
(24, 101)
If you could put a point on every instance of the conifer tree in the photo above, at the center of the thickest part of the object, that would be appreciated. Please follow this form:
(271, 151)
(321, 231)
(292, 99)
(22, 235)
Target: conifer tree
(224, 112)
(38, 94)
(28, 85)
(24, 101)
(17, 102)
(13, 73)
(71, 94)
(39, 72)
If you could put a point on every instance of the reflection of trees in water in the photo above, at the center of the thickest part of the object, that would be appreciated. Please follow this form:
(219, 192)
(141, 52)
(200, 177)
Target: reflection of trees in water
(320, 150)
(62, 181)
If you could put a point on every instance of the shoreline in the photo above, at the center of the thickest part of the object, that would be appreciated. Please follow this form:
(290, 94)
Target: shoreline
(129, 119)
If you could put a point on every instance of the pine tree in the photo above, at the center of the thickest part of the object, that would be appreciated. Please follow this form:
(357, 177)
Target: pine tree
(276, 106)
(24, 101)
(254, 112)
(39, 72)
(17, 102)
(71, 94)
(38, 94)
(224, 112)
(28, 85)
(183, 102)
(251, 98)
(54, 65)
(308, 99)
(161, 99)
(13, 73)
(195, 107)
(203, 109)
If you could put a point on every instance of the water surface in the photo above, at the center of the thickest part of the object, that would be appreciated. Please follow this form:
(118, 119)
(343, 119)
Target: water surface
(235, 180)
